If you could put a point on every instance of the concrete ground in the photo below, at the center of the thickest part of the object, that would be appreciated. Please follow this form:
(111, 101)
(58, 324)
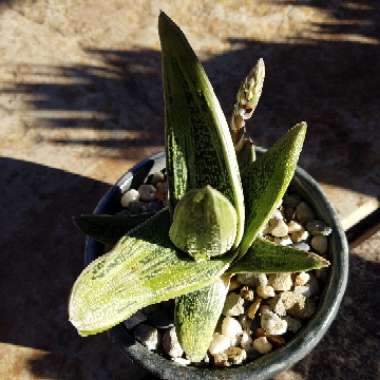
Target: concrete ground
(80, 102)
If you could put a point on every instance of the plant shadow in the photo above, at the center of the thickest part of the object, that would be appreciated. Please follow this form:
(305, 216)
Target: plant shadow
(40, 259)
(333, 84)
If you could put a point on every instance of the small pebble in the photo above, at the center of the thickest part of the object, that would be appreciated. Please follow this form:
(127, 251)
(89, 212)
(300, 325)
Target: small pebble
(308, 290)
(236, 355)
(290, 299)
(233, 305)
(181, 361)
(245, 323)
(252, 279)
(260, 332)
(246, 279)
(277, 306)
(280, 281)
(234, 284)
(304, 213)
(221, 360)
(284, 241)
(246, 340)
(170, 344)
(231, 328)
(219, 344)
(302, 246)
(262, 279)
(273, 324)
(301, 279)
(293, 226)
(264, 308)
(129, 196)
(278, 228)
(291, 200)
(277, 215)
(293, 324)
(317, 227)
(135, 320)
(299, 236)
(253, 308)
(247, 294)
(147, 335)
(265, 291)
(235, 341)
(162, 191)
(147, 192)
(319, 243)
(156, 178)
(302, 306)
(262, 345)
(303, 289)
(276, 340)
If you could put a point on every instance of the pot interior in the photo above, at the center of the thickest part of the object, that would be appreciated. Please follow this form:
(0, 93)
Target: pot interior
(270, 364)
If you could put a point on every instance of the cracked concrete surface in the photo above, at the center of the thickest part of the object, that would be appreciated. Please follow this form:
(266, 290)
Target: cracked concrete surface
(80, 102)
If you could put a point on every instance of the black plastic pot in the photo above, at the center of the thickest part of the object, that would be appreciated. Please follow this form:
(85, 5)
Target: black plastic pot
(268, 365)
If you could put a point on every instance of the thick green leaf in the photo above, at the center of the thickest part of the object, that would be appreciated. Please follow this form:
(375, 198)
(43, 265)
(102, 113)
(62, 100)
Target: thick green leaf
(267, 257)
(196, 321)
(204, 224)
(108, 229)
(266, 180)
(143, 268)
(199, 148)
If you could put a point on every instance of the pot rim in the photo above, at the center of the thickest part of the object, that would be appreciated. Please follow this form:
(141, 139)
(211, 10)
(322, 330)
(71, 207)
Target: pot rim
(280, 359)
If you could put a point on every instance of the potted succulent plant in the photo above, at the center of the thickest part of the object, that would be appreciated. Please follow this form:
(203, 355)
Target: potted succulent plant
(221, 244)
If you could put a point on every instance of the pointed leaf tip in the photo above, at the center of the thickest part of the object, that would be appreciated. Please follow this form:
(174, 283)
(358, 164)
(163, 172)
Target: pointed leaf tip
(266, 180)
(266, 257)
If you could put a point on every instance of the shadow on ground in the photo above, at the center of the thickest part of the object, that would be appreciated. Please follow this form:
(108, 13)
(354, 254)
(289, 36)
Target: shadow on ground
(41, 257)
(332, 83)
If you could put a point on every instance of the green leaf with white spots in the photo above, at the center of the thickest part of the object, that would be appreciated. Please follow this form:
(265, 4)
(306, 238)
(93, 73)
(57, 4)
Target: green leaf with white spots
(199, 148)
(142, 269)
(196, 317)
(267, 257)
(266, 180)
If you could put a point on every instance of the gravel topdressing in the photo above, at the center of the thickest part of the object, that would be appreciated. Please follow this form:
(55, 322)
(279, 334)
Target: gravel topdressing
(261, 312)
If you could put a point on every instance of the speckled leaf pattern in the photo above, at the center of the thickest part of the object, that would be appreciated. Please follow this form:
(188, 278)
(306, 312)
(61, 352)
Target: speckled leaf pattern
(266, 180)
(196, 317)
(142, 269)
(199, 148)
(108, 229)
(266, 257)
